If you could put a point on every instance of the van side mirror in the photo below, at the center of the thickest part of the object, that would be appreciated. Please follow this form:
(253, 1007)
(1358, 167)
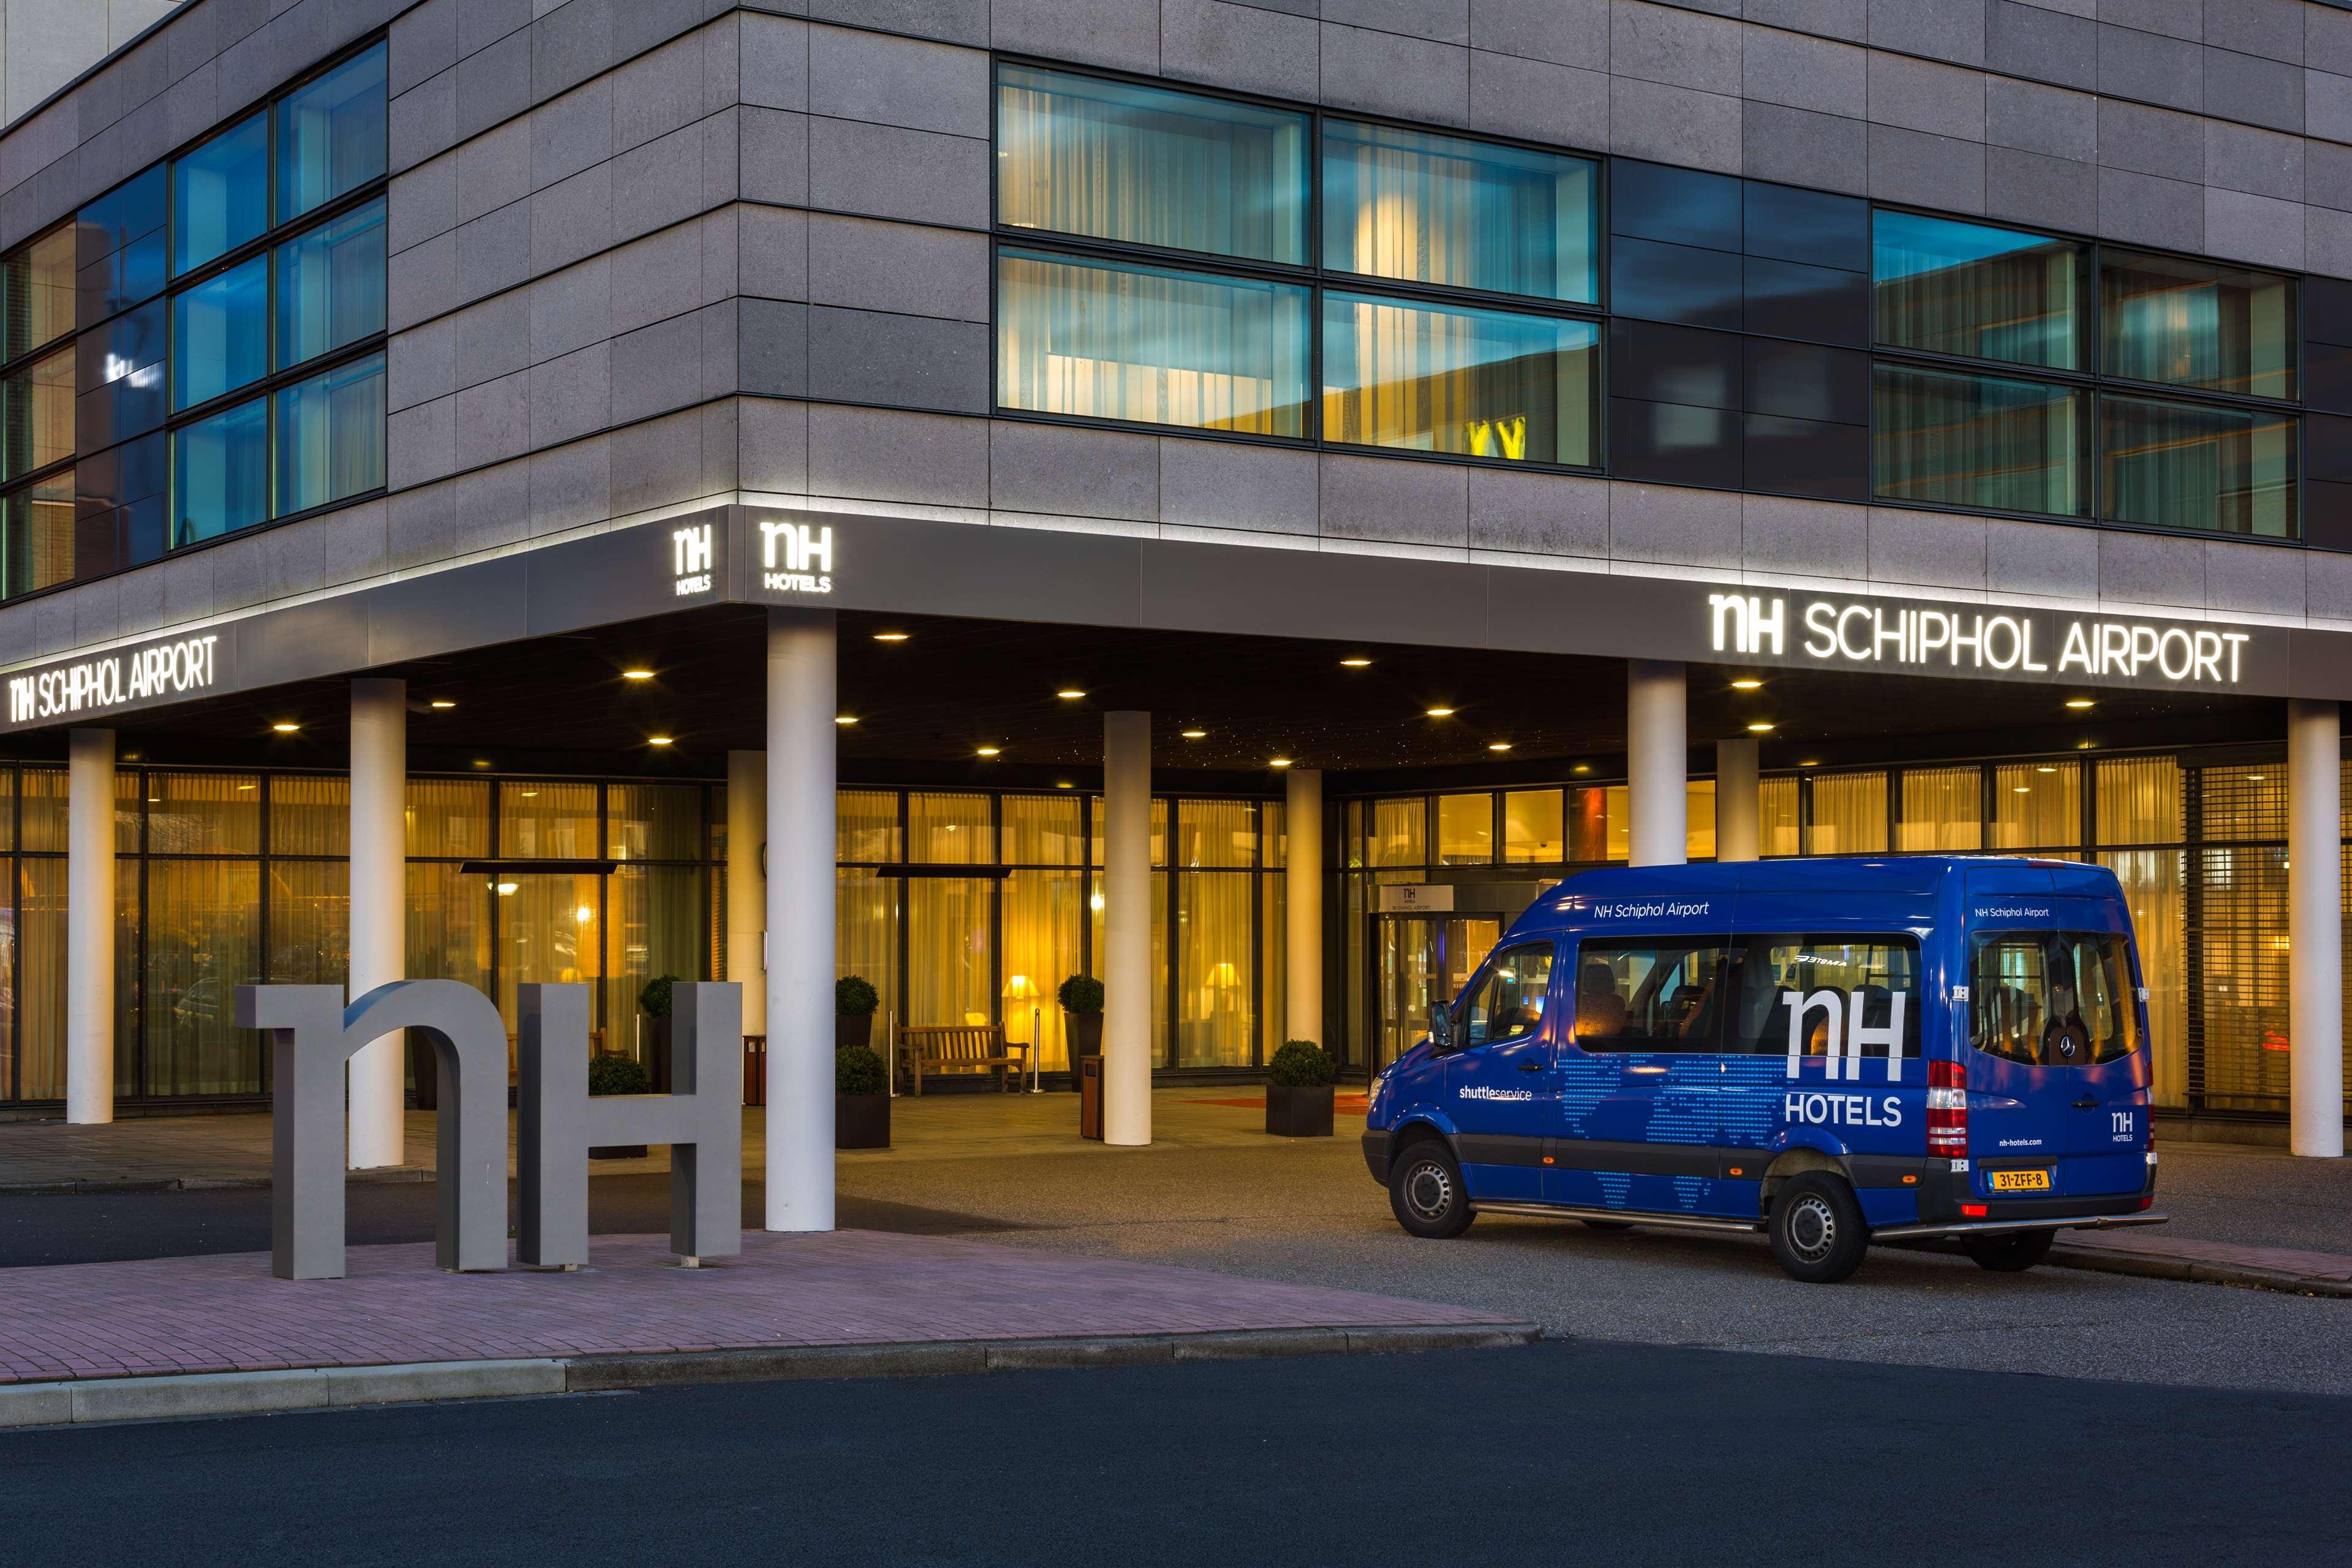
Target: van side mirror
(1441, 1027)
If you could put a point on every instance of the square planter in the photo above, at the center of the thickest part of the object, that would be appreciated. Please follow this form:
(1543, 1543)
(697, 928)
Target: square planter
(1297, 1112)
(1086, 1040)
(861, 1122)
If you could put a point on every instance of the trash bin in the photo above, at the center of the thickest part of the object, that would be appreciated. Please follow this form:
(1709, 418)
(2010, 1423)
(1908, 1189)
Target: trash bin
(1090, 1097)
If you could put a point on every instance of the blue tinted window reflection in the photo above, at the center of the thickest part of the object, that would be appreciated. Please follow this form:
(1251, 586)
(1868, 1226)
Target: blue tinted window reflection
(220, 195)
(1683, 206)
(119, 371)
(220, 473)
(330, 288)
(1674, 283)
(1461, 214)
(330, 135)
(120, 245)
(1479, 384)
(330, 436)
(1986, 293)
(220, 334)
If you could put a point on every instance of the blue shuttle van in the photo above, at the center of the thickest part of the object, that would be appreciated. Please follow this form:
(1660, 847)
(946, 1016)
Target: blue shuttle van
(1832, 1051)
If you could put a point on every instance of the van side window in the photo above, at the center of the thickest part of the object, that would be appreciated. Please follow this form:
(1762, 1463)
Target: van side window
(1508, 1004)
(2051, 998)
(1649, 995)
(1844, 994)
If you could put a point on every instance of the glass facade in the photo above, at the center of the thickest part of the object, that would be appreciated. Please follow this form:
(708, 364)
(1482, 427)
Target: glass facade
(198, 350)
(1759, 337)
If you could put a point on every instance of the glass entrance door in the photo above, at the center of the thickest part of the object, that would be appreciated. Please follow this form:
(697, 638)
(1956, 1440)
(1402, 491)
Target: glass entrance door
(1422, 959)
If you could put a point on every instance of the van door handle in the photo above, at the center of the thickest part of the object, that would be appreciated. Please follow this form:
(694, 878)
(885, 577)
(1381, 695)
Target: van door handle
(1531, 1067)
(2087, 1103)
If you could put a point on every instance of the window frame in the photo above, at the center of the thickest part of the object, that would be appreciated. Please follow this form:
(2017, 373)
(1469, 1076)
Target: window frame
(266, 386)
(2089, 377)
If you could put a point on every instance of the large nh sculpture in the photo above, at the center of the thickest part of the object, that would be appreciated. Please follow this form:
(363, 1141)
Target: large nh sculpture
(313, 1035)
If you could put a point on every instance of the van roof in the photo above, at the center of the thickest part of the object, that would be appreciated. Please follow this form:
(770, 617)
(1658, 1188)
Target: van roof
(1907, 877)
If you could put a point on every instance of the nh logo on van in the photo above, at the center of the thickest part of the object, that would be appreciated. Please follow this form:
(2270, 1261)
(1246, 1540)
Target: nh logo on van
(1846, 1012)
(795, 559)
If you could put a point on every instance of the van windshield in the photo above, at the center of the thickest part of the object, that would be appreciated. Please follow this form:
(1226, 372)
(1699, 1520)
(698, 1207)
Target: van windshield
(2052, 998)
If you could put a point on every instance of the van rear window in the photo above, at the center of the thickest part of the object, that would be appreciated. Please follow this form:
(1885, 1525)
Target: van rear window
(2051, 998)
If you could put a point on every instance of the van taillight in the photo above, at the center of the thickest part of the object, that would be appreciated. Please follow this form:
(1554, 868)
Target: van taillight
(1947, 1109)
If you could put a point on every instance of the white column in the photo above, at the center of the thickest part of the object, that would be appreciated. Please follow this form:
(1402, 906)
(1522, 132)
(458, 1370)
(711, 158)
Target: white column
(747, 885)
(1126, 928)
(1657, 761)
(1738, 801)
(801, 709)
(379, 886)
(2314, 927)
(1302, 900)
(89, 927)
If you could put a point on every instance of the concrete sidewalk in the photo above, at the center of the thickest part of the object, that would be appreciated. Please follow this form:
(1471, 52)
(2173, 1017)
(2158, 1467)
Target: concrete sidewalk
(219, 1334)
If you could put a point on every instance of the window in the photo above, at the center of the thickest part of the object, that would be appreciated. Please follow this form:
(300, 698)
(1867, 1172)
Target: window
(330, 286)
(1849, 815)
(1508, 1004)
(220, 195)
(1827, 994)
(2198, 324)
(2037, 806)
(1984, 442)
(220, 474)
(1442, 210)
(2207, 466)
(1649, 995)
(1469, 382)
(1142, 165)
(330, 436)
(1465, 830)
(36, 292)
(1150, 344)
(332, 135)
(2052, 998)
(220, 334)
(1533, 829)
(37, 528)
(119, 254)
(1964, 289)
(37, 414)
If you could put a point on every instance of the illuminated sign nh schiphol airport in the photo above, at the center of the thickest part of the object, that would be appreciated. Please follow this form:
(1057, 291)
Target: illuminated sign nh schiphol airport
(1853, 633)
(95, 685)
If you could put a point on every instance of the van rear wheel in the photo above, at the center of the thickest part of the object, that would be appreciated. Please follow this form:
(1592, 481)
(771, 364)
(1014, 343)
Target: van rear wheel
(1817, 1229)
(1426, 1191)
(2011, 1253)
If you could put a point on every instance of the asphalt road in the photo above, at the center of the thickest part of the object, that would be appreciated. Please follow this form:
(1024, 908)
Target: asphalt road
(1591, 1452)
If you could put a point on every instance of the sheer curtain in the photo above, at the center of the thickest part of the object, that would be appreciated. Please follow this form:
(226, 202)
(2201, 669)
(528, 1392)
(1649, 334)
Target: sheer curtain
(1215, 1019)
(1042, 911)
(1472, 382)
(1849, 815)
(1982, 293)
(1943, 809)
(1978, 441)
(1434, 209)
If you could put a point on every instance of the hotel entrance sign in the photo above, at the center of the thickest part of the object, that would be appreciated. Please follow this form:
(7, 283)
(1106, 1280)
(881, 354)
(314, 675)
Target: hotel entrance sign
(1859, 634)
(97, 685)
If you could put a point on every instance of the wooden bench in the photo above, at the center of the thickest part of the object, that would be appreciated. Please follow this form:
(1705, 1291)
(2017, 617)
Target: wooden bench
(956, 1046)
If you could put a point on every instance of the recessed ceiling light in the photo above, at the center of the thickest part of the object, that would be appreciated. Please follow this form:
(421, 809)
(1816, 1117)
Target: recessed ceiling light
(1063, 784)
(658, 740)
(443, 702)
(1810, 762)
(988, 751)
(636, 675)
(243, 786)
(1279, 763)
(2078, 703)
(1355, 664)
(286, 727)
(2083, 746)
(1195, 734)
(1746, 685)
(481, 762)
(1441, 712)
(890, 636)
(1499, 745)
(1581, 768)
(843, 719)
(2045, 769)
(1070, 695)
(1760, 728)
(2253, 778)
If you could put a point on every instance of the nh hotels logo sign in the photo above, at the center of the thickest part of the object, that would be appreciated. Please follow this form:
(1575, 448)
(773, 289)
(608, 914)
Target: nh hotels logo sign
(795, 558)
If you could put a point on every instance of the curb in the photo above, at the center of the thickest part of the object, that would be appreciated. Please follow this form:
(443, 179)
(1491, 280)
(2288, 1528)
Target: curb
(391, 1175)
(27, 1404)
(2156, 1265)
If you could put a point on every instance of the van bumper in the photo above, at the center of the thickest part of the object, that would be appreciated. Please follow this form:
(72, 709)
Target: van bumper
(1376, 1156)
(1996, 1227)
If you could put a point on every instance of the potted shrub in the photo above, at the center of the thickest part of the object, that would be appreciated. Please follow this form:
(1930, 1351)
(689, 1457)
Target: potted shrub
(654, 1003)
(1299, 1097)
(861, 1099)
(617, 1075)
(853, 1001)
(1081, 996)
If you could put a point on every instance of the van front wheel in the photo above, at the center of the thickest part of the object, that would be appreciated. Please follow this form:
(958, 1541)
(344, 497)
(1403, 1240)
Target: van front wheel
(1817, 1230)
(2012, 1254)
(1426, 1191)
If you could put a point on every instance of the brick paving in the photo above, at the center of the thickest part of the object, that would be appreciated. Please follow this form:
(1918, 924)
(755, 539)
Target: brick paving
(227, 1313)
